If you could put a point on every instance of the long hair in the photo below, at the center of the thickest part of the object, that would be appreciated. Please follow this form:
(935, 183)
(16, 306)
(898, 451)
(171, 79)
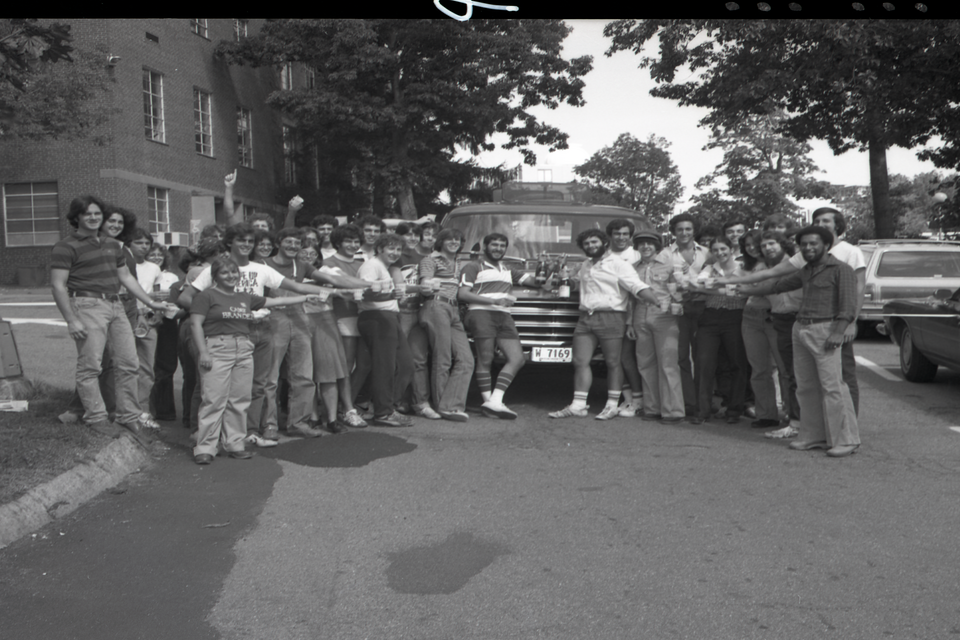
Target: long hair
(79, 205)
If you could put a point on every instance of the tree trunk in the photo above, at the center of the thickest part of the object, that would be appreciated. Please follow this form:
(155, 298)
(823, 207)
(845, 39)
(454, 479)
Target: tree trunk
(408, 208)
(880, 185)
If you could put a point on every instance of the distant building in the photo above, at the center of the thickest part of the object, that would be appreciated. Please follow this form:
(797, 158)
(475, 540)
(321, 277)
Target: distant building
(183, 120)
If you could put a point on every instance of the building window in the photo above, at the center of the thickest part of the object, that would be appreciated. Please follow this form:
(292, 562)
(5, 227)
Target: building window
(202, 123)
(31, 217)
(244, 137)
(199, 26)
(153, 106)
(158, 208)
(544, 175)
(240, 28)
(286, 76)
(311, 76)
(289, 155)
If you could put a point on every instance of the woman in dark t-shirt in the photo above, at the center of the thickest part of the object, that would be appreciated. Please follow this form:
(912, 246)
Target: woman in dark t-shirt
(219, 320)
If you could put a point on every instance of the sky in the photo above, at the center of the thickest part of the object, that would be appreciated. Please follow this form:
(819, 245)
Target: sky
(618, 100)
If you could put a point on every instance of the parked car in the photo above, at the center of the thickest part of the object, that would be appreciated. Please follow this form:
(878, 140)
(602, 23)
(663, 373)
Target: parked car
(927, 332)
(542, 221)
(906, 269)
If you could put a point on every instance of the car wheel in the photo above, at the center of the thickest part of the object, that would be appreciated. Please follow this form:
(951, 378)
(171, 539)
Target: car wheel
(913, 364)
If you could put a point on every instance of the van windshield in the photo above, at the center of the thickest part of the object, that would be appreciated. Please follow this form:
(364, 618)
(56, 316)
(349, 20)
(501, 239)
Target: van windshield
(531, 234)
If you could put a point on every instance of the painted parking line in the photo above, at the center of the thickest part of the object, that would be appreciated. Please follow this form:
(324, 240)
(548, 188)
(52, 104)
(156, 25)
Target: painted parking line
(27, 304)
(47, 321)
(877, 369)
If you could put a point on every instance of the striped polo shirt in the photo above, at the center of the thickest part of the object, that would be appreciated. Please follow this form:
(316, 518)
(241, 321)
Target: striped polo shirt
(491, 280)
(92, 261)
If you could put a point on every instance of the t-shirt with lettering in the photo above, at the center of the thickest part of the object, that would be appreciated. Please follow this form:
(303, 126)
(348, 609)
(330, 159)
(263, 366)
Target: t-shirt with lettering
(225, 313)
(254, 278)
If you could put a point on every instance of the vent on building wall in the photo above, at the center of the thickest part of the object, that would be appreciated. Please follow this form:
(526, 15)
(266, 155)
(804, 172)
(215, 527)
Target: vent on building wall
(172, 238)
(152, 37)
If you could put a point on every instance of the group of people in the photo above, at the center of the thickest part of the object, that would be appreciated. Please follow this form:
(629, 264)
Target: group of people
(345, 324)
(731, 313)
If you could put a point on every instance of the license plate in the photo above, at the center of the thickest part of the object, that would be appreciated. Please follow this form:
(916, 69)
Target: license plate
(552, 354)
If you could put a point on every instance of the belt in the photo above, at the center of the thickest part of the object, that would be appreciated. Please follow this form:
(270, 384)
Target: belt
(450, 301)
(814, 320)
(113, 297)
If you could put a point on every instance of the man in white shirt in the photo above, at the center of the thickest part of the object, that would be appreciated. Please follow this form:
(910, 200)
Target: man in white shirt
(606, 283)
(846, 253)
(621, 233)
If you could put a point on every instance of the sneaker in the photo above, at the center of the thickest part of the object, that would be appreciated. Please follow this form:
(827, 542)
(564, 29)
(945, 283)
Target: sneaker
(70, 417)
(628, 410)
(271, 434)
(392, 420)
(569, 412)
(259, 441)
(779, 434)
(405, 408)
(751, 411)
(497, 410)
(303, 431)
(608, 413)
(454, 416)
(147, 422)
(426, 411)
(352, 419)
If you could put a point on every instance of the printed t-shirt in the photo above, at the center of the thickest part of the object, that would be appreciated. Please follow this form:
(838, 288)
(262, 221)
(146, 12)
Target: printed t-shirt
(225, 313)
(255, 278)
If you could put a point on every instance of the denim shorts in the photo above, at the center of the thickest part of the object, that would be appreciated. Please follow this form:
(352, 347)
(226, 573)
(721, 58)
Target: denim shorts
(603, 324)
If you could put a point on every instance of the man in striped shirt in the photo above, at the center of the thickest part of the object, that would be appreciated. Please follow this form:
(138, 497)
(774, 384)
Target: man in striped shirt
(86, 272)
(485, 286)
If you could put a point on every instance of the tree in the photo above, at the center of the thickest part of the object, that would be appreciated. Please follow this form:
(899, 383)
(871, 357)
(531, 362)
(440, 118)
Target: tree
(761, 170)
(48, 88)
(635, 174)
(866, 84)
(406, 95)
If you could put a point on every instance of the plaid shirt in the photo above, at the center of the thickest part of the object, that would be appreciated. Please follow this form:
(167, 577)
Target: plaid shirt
(829, 290)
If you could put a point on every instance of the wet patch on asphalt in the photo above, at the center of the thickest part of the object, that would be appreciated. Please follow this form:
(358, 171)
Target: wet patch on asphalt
(352, 449)
(442, 568)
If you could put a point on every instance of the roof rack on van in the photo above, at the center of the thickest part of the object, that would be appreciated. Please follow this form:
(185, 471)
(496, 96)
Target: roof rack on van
(558, 192)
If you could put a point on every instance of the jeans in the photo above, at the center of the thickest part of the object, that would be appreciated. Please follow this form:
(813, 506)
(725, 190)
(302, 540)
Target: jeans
(226, 394)
(393, 368)
(721, 327)
(783, 323)
(106, 324)
(826, 408)
(416, 336)
(760, 343)
(162, 405)
(687, 353)
(146, 353)
(658, 336)
(291, 339)
(848, 359)
(262, 365)
(450, 350)
(190, 393)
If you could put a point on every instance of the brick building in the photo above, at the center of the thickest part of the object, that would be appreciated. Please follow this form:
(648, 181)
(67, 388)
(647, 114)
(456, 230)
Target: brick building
(181, 120)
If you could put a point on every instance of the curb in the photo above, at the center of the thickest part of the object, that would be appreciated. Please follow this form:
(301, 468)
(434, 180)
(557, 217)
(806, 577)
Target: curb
(68, 491)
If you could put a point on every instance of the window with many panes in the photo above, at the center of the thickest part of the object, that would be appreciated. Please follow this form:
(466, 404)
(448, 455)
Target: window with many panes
(202, 123)
(244, 137)
(153, 106)
(289, 155)
(30, 214)
(311, 77)
(199, 26)
(240, 28)
(286, 76)
(158, 209)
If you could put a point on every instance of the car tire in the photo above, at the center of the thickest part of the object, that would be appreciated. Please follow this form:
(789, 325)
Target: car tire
(914, 365)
